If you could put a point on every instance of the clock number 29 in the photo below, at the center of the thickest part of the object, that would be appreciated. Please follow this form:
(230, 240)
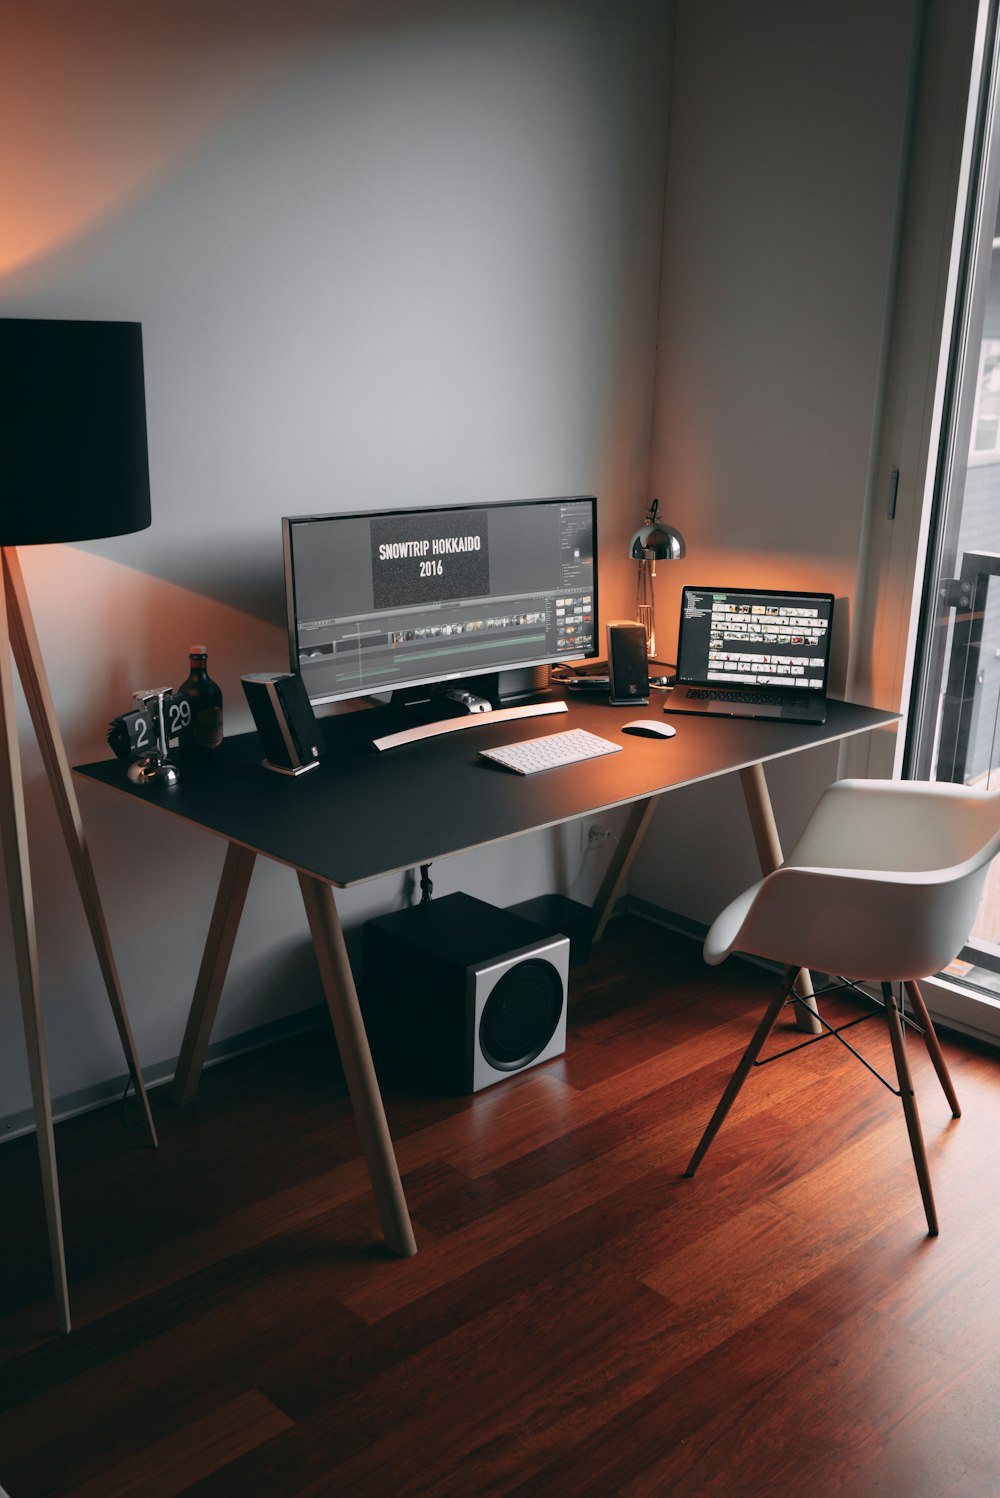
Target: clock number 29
(178, 715)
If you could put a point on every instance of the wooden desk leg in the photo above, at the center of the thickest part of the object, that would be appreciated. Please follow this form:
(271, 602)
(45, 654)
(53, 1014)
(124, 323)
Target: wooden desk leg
(14, 838)
(362, 1083)
(222, 931)
(629, 843)
(28, 654)
(765, 836)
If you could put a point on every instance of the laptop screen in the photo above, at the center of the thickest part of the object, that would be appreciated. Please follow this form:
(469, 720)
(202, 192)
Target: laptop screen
(739, 637)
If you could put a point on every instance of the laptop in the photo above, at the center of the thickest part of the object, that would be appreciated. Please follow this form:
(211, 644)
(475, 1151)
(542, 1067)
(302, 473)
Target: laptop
(753, 653)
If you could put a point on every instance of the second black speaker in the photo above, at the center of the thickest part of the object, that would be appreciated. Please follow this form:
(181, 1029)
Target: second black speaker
(628, 665)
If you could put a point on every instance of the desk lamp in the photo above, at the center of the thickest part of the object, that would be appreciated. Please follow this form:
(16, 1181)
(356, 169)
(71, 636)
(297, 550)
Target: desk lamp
(653, 542)
(73, 467)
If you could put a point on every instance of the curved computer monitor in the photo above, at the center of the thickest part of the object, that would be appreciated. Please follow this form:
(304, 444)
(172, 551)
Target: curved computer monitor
(396, 599)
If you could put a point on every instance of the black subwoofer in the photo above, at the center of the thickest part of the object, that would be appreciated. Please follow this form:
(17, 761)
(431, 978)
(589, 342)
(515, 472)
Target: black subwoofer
(464, 993)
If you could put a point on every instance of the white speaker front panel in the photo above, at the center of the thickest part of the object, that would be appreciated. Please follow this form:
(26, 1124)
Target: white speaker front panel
(483, 981)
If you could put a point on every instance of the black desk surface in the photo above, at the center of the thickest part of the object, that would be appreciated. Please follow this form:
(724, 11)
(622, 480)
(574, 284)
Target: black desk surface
(362, 813)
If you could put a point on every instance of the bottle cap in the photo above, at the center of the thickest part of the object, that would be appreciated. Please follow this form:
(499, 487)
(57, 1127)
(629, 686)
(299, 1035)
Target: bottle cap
(197, 650)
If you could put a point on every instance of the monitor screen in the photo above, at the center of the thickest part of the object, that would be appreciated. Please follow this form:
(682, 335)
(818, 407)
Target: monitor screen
(400, 598)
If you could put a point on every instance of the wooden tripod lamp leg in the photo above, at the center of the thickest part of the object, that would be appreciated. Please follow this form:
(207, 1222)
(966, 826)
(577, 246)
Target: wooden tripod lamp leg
(31, 669)
(13, 835)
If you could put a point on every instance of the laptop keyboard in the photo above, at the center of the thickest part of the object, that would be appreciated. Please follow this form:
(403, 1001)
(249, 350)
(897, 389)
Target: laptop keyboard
(779, 699)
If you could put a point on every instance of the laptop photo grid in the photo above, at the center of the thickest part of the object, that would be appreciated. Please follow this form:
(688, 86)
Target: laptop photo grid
(745, 649)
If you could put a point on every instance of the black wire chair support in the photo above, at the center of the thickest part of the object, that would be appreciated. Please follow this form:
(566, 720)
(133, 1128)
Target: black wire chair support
(835, 1032)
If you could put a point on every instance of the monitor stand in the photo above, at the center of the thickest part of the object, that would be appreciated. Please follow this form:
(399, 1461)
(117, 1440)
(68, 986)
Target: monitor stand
(516, 685)
(468, 720)
(474, 694)
(497, 697)
(432, 701)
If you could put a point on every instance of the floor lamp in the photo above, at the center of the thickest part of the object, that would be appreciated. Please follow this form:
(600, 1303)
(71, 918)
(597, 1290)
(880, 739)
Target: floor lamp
(73, 467)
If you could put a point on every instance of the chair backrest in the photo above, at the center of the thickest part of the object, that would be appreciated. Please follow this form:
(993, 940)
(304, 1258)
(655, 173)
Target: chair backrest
(903, 825)
(884, 883)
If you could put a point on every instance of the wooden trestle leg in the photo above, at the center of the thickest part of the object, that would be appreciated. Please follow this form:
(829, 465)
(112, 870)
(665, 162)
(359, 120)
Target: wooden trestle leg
(765, 836)
(222, 929)
(345, 1012)
(362, 1083)
(640, 813)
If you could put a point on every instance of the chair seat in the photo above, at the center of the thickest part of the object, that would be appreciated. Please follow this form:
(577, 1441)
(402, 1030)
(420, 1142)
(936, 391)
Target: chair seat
(883, 885)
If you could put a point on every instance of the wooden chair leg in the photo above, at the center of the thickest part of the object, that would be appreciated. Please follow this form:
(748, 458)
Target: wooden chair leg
(742, 1071)
(933, 1045)
(910, 1107)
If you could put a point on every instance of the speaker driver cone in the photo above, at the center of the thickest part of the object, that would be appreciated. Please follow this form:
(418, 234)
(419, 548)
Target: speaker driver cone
(520, 1016)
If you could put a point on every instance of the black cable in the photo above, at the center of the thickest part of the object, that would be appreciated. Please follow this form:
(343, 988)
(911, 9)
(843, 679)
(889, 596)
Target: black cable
(129, 1082)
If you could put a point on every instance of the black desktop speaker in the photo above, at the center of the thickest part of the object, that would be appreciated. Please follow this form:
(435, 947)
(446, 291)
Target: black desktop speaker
(289, 733)
(462, 994)
(628, 665)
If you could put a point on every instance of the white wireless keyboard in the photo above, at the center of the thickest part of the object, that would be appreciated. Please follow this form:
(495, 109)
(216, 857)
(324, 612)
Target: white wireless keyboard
(550, 751)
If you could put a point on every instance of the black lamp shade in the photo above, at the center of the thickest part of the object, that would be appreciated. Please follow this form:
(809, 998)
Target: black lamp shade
(73, 458)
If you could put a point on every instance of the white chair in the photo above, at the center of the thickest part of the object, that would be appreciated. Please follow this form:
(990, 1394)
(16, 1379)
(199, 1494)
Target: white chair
(882, 887)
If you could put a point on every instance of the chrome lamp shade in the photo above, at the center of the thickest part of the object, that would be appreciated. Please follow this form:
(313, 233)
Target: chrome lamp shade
(653, 542)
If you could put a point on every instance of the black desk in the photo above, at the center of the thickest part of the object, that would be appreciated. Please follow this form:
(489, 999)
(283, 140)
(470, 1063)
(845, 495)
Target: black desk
(363, 814)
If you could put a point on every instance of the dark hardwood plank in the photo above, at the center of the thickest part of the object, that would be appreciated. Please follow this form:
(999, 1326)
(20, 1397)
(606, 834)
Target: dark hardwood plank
(176, 1463)
(580, 1319)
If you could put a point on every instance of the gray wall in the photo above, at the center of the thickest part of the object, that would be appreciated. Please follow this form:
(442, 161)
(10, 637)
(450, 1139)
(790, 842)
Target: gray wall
(786, 129)
(412, 251)
(385, 253)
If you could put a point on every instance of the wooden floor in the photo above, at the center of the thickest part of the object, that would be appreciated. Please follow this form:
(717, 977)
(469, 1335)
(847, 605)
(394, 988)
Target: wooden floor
(579, 1318)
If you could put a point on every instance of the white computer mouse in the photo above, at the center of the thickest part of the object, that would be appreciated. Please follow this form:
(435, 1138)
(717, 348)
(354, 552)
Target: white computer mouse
(650, 728)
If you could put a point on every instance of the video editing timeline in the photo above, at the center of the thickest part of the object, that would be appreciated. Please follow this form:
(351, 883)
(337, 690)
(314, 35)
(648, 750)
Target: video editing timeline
(763, 643)
(418, 596)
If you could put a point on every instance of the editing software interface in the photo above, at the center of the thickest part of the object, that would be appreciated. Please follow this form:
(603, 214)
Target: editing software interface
(755, 639)
(399, 598)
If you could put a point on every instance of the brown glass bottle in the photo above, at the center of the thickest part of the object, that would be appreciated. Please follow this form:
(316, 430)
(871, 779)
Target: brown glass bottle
(205, 699)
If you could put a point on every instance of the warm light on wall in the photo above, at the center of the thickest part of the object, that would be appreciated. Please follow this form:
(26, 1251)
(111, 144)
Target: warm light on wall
(101, 101)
